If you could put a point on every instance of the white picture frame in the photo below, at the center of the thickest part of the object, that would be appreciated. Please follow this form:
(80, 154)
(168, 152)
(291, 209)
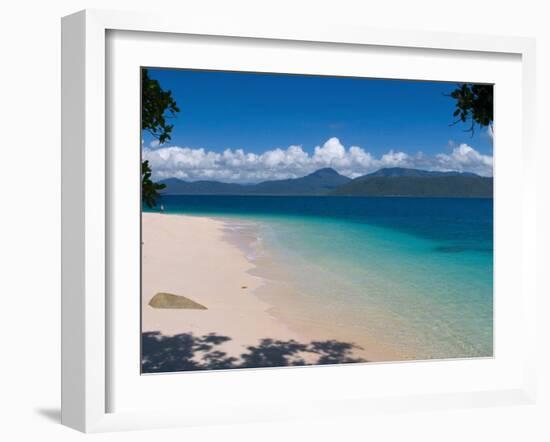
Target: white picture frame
(86, 232)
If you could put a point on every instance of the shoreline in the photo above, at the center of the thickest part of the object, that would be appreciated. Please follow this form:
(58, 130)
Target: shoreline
(286, 302)
(187, 256)
(179, 255)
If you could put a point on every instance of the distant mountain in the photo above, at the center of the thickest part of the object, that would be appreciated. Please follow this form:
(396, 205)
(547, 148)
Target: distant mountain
(394, 181)
(319, 182)
(417, 183)
(175, 186)
(402, 171)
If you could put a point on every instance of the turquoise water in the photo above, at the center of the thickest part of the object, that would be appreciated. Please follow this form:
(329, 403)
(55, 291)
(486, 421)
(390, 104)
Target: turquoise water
(415, 274)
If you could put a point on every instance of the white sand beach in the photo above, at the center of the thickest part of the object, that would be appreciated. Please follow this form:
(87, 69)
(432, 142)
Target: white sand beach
(190, 256)
(187, 256)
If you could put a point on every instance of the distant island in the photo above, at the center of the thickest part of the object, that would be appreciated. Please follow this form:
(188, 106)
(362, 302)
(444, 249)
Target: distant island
(386, 182)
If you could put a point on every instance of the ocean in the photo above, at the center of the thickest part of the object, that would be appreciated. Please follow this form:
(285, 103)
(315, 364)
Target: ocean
(413, 274)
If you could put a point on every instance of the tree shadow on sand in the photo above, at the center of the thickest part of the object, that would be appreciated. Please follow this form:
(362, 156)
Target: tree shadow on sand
(187, 352)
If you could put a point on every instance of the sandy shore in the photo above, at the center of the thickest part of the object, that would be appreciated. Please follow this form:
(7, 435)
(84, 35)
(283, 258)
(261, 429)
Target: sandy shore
(191, 256)
(187, 256)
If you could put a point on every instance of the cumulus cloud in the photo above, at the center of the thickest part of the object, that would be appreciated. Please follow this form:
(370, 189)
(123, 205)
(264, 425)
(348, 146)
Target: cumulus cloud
(236, 165)
(465, 158)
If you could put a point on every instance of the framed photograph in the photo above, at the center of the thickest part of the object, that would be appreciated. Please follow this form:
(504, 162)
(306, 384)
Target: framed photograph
(274, 222)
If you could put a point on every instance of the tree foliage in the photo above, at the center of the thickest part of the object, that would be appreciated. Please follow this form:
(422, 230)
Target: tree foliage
(157, 106)
(149, 189)
(474, 103)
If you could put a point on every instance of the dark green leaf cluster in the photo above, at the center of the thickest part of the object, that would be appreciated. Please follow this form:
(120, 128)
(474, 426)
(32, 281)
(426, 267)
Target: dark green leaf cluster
(474, 102)
(157, 105)
(149, 189)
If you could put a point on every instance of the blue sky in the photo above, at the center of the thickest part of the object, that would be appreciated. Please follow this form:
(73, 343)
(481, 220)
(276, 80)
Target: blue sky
(259, 113)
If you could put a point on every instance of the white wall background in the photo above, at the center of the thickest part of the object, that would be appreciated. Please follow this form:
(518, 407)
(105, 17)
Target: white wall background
(30, 215)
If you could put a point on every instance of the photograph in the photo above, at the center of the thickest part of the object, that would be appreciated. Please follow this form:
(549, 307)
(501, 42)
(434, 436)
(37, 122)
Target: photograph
(300, 220)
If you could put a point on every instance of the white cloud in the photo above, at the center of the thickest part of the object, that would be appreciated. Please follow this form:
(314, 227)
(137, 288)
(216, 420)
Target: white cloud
(236, 165)
(394, 159)
(330, 152)
(465, 158)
